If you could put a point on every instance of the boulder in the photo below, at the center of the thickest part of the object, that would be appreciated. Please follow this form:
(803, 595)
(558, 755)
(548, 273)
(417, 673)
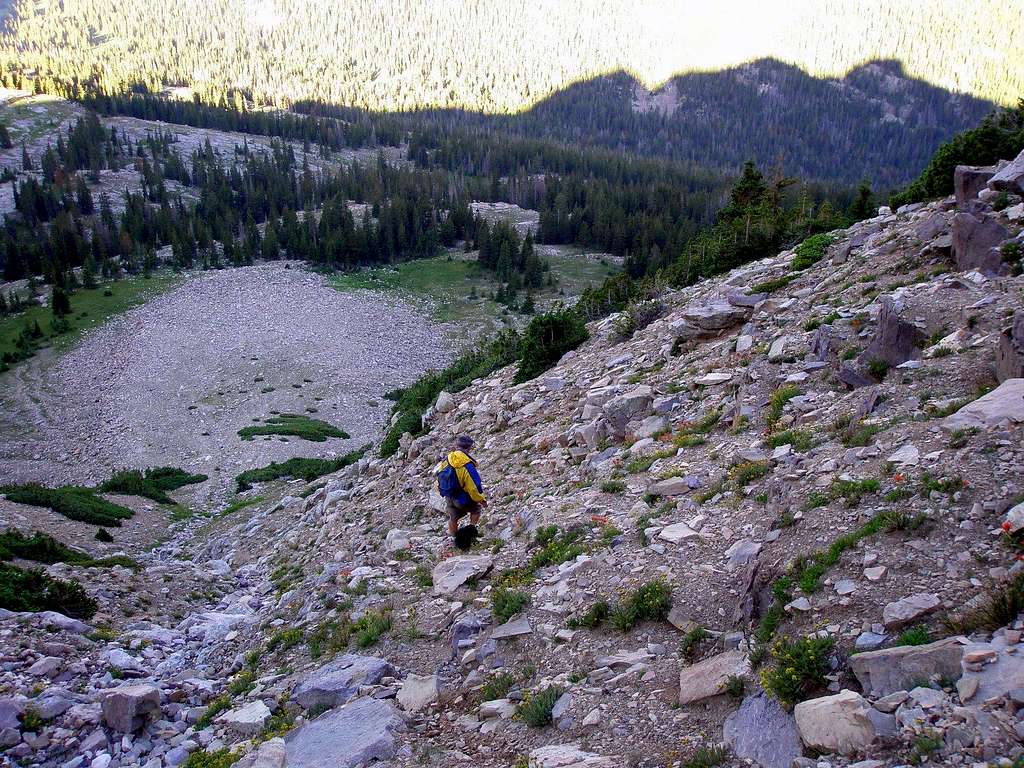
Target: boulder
(338, 682)
(677, 532)
(452, 573)
(396, 540)
(968, 181)
(10, 709)
(569, 756)
(974, 238)
(991, 670)
(248, 720)
(839, 723)
(708, 678)
(445, 403)
(716, 315)
(886, 671)
(1010, 351)
(127, 707)
(516, 627)
(1002, 407)
(762, 731)
(1011, 177)
(418, 692)
(624, 408)
(932, 227)
(901, 612)
(271, 754)
(673, 486)
(353, 735)
(896, 340)
(651, 426)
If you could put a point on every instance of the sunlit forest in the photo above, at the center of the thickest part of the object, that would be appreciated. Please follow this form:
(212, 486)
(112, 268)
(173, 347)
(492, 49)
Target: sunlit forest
(497, 57)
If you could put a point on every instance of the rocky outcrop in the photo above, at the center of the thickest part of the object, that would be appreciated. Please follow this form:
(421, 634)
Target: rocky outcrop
(1010, 352)
(450, 574)
(975, 243)
(710, 677)
(1002, 407)
(897, 339)
(968, 181)
(568, 756)
(126, 708)
(762, 731)
(1011, 177)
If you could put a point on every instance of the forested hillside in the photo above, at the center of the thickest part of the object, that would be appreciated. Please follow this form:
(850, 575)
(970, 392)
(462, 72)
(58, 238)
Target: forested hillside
(561, 73)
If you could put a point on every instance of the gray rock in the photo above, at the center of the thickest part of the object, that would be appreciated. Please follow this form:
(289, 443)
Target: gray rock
(673, 486)
(762, 731)
(1010, 352)
(248, 720)
(901, 612)
(338, 682)
(897, 340)
(839, 723)
(355, 734)
(271, 754)
(1002, 407)
(59, 620)
(708, 678)
(10, 708)
(418, 692)
(513, 628)
(1011, 177)
(624, 408)
(452, 573)
(126, 708)
(968, 181)
(974, 238)
(569, 756)
(886, 671)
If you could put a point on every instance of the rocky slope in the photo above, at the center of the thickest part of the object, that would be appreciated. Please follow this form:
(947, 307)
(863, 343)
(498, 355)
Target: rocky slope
(832, 453)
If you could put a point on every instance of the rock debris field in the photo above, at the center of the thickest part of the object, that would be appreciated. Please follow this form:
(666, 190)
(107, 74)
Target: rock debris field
(172, 382)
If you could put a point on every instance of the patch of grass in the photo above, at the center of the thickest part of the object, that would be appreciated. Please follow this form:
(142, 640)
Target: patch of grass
(153, 483)
(778, 401)
(816, 499)
(329, 637)
(691, 640)
(643, 463)
(42, 548)
(240, 504)
(294, 425)
(898, 494)
(305, 469)
(801, 440)
(958, 438)
(914, 636)
(497, 686)
(947, 485)
(735, 686)
(877, 369)
(811, 251)
(613, 486)
(535, 711)
(707, 757)
(423, 576)
(284, 639)
(221, 758)
(1003, 605)
(556, 548)
(853, 490)
(771, 286)
(648, 602)
(34, 590)
(73, 502)
(798, 668)
(369, 627)
(747, 472)
(506, 603)
(220, 704)
(608, 534)
(592, 617)
(710, 492)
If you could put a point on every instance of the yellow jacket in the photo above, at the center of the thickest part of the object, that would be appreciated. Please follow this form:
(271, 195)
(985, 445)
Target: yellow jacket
(469, 479)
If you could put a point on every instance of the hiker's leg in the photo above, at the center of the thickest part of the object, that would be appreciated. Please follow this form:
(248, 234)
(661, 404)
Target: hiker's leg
(454, 515)
(474, 513)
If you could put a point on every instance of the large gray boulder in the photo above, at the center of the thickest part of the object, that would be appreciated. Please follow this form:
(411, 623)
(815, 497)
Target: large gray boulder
(975, 239)
(338, 682)
(762, 731)
(452, 573)
(968, 181)
(898, 669)
(1002, 407)
(897, 340)
(1010, 352)
(10, 709)
(1011, 177)
(356, 734)
(128, 707)
(991, 670)
(841, 723)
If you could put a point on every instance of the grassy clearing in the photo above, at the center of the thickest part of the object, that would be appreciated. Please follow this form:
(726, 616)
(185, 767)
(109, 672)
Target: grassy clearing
(305, 469)
(90, 308)
(294, 425)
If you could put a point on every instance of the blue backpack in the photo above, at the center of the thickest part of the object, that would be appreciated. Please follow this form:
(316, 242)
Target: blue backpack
(448, 482)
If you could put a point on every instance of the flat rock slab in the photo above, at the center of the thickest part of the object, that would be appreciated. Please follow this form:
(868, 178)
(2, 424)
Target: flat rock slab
(569, 756)
(513, 628)
(839, 723)
(886, 671)
(999, 675)
(452, 573)
(352, 735)
(762, 731)
(339, 681)
(901, 612)
(709, 677)
(1002, 407)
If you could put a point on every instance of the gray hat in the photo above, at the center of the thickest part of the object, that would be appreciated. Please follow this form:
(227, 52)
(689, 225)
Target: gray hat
(464, 442)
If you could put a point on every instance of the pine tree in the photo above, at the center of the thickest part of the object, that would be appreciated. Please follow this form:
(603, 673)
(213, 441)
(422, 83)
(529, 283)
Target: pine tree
(60, 304)
(863, 206)
(5, 137)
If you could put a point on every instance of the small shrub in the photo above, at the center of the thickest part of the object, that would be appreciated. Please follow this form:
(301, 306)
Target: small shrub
(613, 486)
(75, 503)
(423, 575)
(506, 603)
(860, 435)
(877, 369)
(1003, 605)
(305, 469)
(220, 704)
(707, 757)
(497, 686)
(329, 638)
(153, 483)
(811, 251)
(816, 499)
(749, 471)
(798, 670)
(284, 639)
(914, 636)
(693, 638)
(34, 590)
(947, 485)
(735, 685)
(649, 601)
(958, 438)
(798, 438)
(556, 548)
(222, 758)
(369, 627)
(535, 711)
(294, 425)
(771, 286)
(592, 617)
(547, 337)
(31, 720)
(778, 401)
(102, 534)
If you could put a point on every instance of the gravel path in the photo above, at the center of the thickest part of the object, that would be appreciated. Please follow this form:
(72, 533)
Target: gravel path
(172, 381)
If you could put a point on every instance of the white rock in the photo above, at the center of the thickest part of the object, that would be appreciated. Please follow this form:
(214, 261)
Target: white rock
(418, 692)
(838, 723)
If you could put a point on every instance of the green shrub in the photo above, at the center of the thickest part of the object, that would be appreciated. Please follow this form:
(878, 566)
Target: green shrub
(284, 639)
(497, 686)
(75, 503)
(294, 425)
(860, 435)
(507, 603)
(329, 637)
(102, 534)
(412, 401)
(34, 590)
(222, 758)
(914, 636)
(798, 438)
(771, 286)
(747, 472)
(811, 251)
(877, 369)
(1002, 606)
(31, 721)
(546, 339)
(423, 575)
(778, 401)
(649, 601)
(556, 548)
(535, 711)
(305, 469)
(369, 627)
(798, 668)
(592, 617)
(152, 483)
(613, 486)
(853, 490)
(42, 548)
(707, 757)
(688, 645)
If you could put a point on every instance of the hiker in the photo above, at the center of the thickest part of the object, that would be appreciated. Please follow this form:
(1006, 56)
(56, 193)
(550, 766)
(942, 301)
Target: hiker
(459, 483)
